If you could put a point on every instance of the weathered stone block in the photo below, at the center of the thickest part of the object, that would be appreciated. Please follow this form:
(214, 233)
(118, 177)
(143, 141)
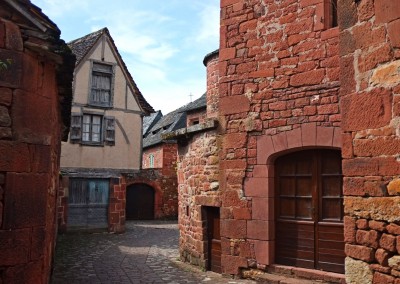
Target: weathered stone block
(377, 225)
(307, 78)
(260, 230)
(360, 252)
(357, 270)
(5, 96)
(386, 11)
(14, 247)
(232, 264)
(394, 262)
(382, 278)
(382, 256)
(366, 110)
(394, 187)
(235, 229)
(13, 36)
(377, 208)
(25, 199)
(368, 238)
(234, 105)
(386, 75)
(30, 121)
(388, 242)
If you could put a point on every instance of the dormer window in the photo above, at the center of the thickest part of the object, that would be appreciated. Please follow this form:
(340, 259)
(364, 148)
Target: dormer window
(101, 90)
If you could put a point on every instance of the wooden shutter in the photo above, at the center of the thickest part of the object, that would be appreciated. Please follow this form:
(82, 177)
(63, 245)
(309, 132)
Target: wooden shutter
(109, 130)
(76, 128)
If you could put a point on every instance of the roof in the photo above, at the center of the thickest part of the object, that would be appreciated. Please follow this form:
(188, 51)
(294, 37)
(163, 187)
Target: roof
(82, 46)
(150, 120)
(169, 122)
(210, 56)
(196, 104)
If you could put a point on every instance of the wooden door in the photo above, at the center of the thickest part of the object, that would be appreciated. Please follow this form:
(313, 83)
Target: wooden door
(214, 239)
(309, 225)
(140, 202)
(88, 203)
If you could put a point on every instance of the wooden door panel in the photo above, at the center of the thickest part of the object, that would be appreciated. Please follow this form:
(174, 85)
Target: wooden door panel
(140, 202)
(309, 187)
(88, 203)
(214, 239)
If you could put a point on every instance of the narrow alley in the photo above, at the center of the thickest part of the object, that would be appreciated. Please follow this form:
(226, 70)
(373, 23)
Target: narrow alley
(146, 253)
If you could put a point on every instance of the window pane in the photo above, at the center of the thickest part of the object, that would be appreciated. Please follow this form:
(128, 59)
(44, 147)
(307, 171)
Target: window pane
(331, 186)
(288, 186)
(303, 208)
(85, 137)
(287, 207)
(86, 118)
(304, 186)
(331, 209)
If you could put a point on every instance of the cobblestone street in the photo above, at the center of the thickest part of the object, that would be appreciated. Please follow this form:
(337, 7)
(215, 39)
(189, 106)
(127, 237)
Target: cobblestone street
(146, 253)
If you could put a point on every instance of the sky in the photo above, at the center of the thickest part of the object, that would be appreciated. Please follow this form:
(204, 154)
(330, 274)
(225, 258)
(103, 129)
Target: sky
(163, 42)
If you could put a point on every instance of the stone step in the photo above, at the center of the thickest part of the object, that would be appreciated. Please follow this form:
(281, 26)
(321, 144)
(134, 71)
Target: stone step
(280, 274)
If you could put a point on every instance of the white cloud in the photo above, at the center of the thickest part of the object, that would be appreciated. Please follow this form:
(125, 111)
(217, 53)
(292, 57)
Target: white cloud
(57, 8)
(209, 25)
(163, 43)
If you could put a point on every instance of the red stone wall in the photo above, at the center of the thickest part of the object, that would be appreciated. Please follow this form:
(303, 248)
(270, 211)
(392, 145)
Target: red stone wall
(164, 183)
(198, 175)
(370, 92)
(211, 61)
(157, 152)
(30, 131)
(195, 117)
(117, 205)
(278, 92)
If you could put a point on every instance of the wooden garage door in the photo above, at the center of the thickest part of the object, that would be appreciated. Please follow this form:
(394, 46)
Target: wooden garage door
(88, 203)
(309, 225)
(140, 202)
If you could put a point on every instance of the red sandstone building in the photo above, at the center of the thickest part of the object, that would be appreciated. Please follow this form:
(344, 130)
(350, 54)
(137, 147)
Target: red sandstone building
(35, 96)
(307, 145)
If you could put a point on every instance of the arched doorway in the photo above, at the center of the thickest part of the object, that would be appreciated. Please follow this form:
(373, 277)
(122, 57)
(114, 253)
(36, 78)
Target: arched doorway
(139, 202)
(309, 211)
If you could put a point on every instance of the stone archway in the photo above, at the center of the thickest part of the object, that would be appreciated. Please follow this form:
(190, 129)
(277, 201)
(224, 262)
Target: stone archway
(261, 186)
(140, 199)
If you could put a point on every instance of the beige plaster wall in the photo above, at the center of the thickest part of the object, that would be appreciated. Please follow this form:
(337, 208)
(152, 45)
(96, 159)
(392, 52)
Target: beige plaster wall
(126, 152)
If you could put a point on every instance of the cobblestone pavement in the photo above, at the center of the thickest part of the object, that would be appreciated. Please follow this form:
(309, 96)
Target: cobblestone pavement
(146, 253)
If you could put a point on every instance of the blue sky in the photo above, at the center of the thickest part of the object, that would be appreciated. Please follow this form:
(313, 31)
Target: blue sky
(163, 43)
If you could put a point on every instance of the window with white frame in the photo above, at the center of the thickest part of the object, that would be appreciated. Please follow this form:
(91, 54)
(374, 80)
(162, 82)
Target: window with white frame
(101, 85)
(151, 161)
(92, 129)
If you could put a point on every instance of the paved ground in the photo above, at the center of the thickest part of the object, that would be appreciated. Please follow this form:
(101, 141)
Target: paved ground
(146, 253)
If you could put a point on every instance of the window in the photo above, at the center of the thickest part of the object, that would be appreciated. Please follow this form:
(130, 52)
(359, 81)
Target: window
(92, 129)
(151, 161)
(326, 15)
(330, 17)
(101, 86)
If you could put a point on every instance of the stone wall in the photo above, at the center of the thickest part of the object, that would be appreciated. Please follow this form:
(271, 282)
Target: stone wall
(370, 92)
(198, 175)
(278, 92)
(157, 152)
(164, 183)
(31, 127)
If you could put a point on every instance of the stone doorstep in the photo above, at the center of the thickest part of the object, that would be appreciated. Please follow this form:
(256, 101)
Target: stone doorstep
(281, 274)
